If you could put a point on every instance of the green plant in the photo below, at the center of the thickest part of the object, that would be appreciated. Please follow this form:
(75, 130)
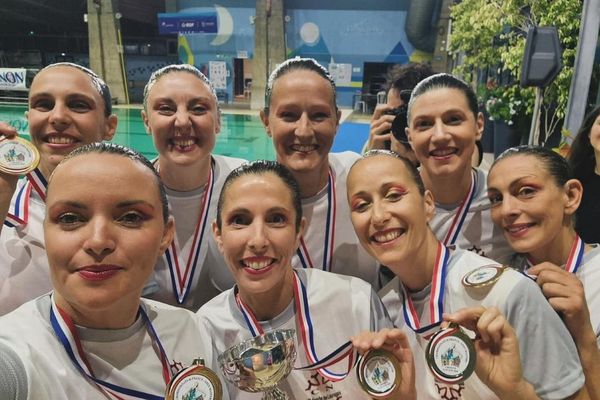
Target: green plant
(488, 42)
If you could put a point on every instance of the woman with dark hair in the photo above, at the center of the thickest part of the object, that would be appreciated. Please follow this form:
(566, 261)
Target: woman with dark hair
(93, 337)
(258, 228)
(302, 118)
(534, 198)
(69, 106)
(584, 158)
(444, 125)
(391, 210)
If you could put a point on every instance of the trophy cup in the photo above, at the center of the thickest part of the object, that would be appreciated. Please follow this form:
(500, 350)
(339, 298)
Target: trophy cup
(259, 364)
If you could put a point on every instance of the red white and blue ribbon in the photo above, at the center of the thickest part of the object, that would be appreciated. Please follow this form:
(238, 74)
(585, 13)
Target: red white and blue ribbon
(303, 252)
(182, 269)
(304, 326)
(436, 298)
(18, 214)
(65, 330)
(573, 261)
(461, 213)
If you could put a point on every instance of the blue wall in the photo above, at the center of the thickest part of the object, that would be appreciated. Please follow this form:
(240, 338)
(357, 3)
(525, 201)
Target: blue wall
(342, 31)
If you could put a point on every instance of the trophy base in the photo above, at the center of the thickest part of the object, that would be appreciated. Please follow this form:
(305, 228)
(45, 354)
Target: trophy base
(274, 394)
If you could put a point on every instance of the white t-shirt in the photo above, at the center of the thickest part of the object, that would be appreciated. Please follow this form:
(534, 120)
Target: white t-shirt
(478, 233)
(548, 355)
(211, 275)
(340, 306)
(24, 273)
(589, 274)
(123, 357)
(349, 257)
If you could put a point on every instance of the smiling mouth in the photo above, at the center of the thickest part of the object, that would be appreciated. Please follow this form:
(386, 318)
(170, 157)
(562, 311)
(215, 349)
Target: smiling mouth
(443, 152)
(183, 143)
(517, 229)
(59, 139)
(387, 235)
(257, 264)
(304, 148)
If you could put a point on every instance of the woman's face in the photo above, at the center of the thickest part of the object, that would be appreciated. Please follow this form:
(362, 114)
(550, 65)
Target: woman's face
(104, 231)
(65, 112)
(388, 213)
(258, 236)
(527, 203)
(182, 117)
(443, 130)
(302, 120)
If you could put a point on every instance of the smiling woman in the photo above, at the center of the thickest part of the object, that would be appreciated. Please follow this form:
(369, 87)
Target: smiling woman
(182, 114)
(69, 106)
(93, 337)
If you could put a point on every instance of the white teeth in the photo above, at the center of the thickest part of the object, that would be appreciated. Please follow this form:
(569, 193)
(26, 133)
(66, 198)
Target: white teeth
(256, 265)
(184, 143)
(60, 140)
(386, 237)
(304, 148)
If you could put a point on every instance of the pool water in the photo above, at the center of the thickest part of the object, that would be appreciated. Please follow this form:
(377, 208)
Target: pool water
(241, 136)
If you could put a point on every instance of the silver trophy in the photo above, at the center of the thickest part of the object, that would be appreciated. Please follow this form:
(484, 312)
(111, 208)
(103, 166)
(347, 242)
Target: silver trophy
(259, 364)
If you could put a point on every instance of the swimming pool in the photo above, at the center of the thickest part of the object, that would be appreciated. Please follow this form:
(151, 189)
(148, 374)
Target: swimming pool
(242, 135)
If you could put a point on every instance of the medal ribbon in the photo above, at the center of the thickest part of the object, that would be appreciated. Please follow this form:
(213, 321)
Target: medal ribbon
(302, 252)
(305, 326)
(461, 213)
(65, 330)
(182, 278)
(18, 215)
(575, 256)
(436, 299)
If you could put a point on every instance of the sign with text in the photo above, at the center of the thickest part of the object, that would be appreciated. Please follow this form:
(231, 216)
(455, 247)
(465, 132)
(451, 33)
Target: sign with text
(186, 23)
(218, 74)
(12, 79)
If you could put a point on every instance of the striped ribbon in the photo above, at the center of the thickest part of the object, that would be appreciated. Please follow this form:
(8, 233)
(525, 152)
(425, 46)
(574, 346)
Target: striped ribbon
(436, 299)
(303, 252)
(18, 214)
(304, 325)
(461, 213)
(65, 330)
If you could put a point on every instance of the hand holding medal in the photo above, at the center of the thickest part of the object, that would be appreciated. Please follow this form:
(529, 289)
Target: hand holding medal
(386, 369)
(17, 156)
(496, 349)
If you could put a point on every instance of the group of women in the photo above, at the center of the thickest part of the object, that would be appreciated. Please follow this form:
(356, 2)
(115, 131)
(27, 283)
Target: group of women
(108, 228)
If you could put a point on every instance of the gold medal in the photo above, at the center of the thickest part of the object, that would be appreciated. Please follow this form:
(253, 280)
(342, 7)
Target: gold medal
(195, 382)
(450, 355)
(483, 276)
(378, 373)
(18, 156)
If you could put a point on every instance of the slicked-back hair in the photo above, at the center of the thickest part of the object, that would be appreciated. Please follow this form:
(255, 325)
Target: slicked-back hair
(112, 148)
(555, 164)
(97, 83)
(410, 167)
(297, 64)
(263, 167)
(444, 81)
(159, 73)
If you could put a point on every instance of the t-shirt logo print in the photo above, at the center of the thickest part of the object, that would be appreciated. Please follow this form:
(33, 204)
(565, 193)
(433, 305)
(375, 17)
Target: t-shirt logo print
(450, 392)
(320, 388)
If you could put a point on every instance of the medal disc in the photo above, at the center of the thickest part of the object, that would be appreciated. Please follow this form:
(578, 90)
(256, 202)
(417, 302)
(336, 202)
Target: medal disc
(379, 373)
(195, 382)
(483, 276)
(451, 355)
(18, 156)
